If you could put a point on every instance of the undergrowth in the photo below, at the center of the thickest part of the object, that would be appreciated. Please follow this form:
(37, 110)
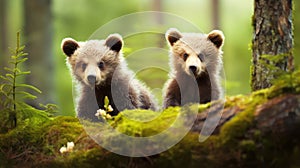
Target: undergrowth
(13, 93)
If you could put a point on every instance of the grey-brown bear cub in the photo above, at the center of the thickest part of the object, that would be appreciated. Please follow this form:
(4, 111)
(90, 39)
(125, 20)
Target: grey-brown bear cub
(196, 61)
(99, 70)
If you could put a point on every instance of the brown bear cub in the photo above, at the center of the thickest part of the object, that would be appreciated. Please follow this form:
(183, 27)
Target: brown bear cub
(196, 62)
(99, 70)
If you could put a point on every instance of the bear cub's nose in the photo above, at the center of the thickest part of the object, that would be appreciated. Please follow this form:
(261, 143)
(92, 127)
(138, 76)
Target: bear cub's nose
(193, 69)
(91, 79)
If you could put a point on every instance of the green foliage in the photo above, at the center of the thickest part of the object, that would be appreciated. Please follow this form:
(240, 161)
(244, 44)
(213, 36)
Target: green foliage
(14, 93)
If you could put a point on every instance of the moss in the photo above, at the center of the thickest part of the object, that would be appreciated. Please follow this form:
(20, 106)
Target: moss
(87, 158)
(247, 145)
(59, 131)
(286, 83)
(235, 128)
(234, 101)
(145, 123)
(203, 107)
(239, 143)
(178, 156)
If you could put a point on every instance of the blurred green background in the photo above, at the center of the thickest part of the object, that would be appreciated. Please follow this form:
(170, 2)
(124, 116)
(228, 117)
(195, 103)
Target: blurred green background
(79, 19)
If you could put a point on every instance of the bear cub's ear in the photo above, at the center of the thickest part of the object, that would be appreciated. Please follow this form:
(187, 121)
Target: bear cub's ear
(69, 46)
(216, 37)
(173, 35)
(114, 42)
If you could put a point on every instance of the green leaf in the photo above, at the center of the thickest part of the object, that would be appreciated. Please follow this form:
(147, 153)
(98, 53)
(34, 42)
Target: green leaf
(23, 73)
(8, 69)
(21, 48)
(23, 54)
(31, 113)
(6, 79)
(10, 75)
(29, 96)
(26, 95)
(29, 86)
(22, 60)
(106, 102)
(17, 70)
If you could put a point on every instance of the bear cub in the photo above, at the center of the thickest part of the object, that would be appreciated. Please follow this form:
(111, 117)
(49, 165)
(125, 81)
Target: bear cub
(99, 70)
(196, 62)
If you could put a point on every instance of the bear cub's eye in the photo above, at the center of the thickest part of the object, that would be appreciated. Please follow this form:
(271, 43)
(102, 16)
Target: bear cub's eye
(101, 65)
(83, 66)
(185, 56)
(201, 57)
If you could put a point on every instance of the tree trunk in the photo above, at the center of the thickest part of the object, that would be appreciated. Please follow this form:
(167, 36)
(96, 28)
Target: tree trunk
(215, 14)
(3, 41)
(3, 35)
(272, 36)
(38, 37)
(279, 114)
(157, 6)
(159, 19)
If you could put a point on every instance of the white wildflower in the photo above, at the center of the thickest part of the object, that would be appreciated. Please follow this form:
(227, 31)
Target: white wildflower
(63, 149)
(110, 109)
(100, 112)
(70, 146)
(108, 116)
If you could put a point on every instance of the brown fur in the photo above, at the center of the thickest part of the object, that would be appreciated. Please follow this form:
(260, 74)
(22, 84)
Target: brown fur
(100, 70)
(190, 51)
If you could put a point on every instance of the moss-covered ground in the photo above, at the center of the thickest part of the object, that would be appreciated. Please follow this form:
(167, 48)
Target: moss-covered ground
(239, 143)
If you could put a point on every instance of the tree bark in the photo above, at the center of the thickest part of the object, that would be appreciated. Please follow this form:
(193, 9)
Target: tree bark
(215, 14)
(159, 19)
(157, 6)
(38, 37)
(272, 36)
(280, 114)
(3, 35)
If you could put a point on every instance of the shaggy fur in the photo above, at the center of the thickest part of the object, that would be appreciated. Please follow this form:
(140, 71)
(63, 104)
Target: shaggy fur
(99, 69)
(196, 61)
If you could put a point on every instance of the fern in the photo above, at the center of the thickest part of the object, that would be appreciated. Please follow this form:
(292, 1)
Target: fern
(13, 93)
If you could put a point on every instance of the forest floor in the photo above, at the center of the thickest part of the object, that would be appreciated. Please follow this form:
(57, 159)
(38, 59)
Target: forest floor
(256, 130)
